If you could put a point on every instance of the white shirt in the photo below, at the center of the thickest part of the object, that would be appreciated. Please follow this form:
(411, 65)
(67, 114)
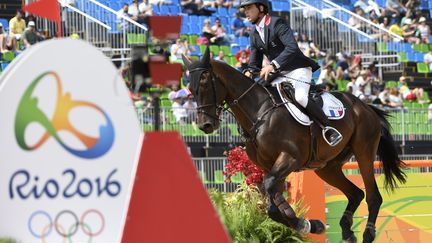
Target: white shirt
(133, 10)
(260, 28)
(430, 113)
(428, 59)
(145, 8)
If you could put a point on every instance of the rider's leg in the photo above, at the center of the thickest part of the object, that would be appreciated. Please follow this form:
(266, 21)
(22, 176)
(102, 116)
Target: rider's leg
(301, 78)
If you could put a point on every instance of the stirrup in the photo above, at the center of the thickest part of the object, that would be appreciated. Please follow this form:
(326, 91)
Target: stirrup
(336, 139)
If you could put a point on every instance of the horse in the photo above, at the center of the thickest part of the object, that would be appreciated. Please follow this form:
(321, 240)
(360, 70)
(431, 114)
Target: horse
(280, 145)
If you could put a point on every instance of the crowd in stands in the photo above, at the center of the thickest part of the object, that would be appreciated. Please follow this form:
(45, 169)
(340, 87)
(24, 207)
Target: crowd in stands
(402, 18)
(21, 35)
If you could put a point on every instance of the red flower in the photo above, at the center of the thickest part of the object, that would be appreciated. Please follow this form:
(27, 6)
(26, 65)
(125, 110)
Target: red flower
(238, 161)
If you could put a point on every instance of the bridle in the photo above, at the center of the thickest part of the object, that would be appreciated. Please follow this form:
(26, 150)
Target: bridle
(235, 102)
(219, 108)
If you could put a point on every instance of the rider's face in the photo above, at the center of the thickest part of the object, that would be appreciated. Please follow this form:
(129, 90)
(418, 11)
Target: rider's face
(252, 13)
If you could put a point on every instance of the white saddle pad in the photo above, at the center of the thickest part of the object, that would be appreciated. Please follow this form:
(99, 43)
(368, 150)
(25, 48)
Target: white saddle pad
(332, 107)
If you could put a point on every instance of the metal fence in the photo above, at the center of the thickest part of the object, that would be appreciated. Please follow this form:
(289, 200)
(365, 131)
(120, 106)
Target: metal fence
(409, 124)
(327, 24)
(105, 28)
(211, 171)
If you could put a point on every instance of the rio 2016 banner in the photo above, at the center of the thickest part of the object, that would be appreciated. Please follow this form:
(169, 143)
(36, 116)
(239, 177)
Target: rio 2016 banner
(70, 141)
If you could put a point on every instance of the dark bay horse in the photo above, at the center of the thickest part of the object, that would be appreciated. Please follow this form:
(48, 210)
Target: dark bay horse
(280, 145)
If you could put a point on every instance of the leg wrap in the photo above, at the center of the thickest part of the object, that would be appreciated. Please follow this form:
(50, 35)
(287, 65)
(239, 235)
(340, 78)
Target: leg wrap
(303, 226)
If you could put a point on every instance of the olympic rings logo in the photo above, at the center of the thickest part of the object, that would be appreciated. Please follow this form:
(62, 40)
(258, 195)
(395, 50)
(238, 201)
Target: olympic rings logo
(58, 224)
(29, 112)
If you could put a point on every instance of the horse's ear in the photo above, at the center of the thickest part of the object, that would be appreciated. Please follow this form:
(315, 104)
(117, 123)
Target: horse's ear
(206, 57)
(186, 61)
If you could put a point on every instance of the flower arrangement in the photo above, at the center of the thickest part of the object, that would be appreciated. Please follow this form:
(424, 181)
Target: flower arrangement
(244, 214)
(238, 161)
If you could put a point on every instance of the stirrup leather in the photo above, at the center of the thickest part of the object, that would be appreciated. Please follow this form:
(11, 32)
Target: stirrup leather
(336, 140)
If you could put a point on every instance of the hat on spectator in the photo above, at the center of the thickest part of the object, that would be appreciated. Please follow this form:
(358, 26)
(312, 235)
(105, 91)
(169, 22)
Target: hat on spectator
(31, 23)
(1, 25)
(408, 21)
(422, 19)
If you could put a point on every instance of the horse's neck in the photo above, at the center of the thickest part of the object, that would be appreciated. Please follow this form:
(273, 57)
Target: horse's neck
(248, 104)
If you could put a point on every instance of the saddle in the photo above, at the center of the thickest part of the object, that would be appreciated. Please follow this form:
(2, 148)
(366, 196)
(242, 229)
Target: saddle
(332, 107)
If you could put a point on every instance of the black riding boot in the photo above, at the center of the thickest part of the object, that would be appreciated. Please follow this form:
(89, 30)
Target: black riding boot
(330, 134)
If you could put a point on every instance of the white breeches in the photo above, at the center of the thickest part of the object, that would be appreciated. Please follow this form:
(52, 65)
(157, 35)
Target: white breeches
(300, 79)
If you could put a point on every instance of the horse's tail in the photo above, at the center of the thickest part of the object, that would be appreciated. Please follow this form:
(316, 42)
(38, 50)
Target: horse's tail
(388, 154)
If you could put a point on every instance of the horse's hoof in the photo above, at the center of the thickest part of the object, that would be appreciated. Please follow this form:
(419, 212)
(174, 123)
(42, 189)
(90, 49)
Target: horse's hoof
(317, 227)
(351, 239)
(369, 233)
(368, 238)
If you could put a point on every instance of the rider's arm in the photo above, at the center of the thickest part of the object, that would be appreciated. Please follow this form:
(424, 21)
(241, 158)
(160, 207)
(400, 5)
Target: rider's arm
(286, 36)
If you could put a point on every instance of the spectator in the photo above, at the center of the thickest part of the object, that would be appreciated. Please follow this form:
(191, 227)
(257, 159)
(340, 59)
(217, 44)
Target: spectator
(190, 105)
(133, 10)
(177, 50)
(384, 97)
(352, 88)
(409, 31)
(361, 4)
(210, 3)
(146, 8)
(390, 97)
(354, 21)
(374, 78)
(17, 26)
(415, 94)
(385, 23)
(239, 27)
(207, 32)
(303, 44)
(188, 47)
(6, 43)
(327, 76)
(342, 66)
(364, 83)
(396, 29)
(122, 16)
(31, 36)
(394, 8)
(374, 7)
(221, 56)
(355, 68)
(179, 111)
(220, 32)
(428, 59)
(195, 7)
(394, 98)
(242, 60)
(225, 3)
(189, 6)
(424, 30)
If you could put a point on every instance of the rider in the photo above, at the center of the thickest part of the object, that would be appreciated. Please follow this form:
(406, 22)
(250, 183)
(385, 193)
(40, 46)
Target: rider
(274, 38)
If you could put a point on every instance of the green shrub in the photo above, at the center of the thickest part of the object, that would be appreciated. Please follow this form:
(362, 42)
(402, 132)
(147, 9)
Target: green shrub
(7, 240)
(245, 218)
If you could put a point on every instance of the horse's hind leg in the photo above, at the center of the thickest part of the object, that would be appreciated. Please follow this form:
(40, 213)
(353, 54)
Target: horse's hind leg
(333, 175)
(373, 196)
(284, 165)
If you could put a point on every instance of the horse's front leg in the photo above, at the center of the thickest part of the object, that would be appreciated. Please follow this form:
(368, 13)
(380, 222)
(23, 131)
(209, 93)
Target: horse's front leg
(280, 210)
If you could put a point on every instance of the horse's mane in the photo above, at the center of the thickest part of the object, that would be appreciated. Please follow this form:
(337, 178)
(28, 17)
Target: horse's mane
(233, 73)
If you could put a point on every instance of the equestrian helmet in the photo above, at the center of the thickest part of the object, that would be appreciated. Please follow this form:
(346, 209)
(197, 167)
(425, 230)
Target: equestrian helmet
(249, 2)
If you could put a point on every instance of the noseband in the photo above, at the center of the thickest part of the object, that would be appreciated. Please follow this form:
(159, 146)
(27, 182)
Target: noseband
(200, 109)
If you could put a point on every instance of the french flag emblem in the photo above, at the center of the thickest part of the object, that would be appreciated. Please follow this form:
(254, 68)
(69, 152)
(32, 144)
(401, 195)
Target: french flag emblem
(335, 113)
